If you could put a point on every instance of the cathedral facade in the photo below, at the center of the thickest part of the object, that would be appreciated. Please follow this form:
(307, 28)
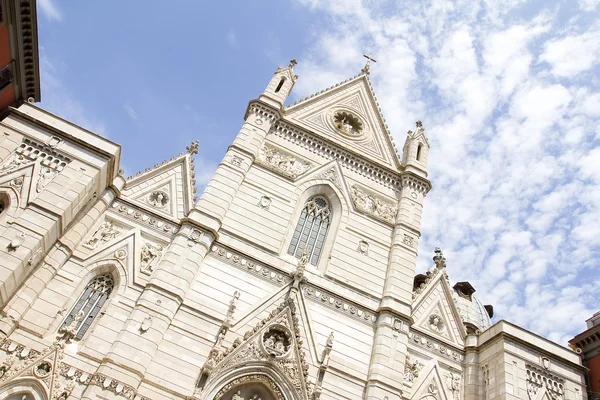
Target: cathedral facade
(292, 277)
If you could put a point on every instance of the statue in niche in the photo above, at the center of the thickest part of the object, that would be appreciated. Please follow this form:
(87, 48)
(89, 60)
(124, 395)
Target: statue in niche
(158, 199)
(150, 253)
(106, 232)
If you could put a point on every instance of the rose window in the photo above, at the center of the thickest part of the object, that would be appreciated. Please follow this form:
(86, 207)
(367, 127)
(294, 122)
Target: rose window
(348, 123)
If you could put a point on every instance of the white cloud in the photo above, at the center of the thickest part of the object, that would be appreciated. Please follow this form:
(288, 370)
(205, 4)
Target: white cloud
(50, 10)
(515, 147)
(588, 5)
(573, 54)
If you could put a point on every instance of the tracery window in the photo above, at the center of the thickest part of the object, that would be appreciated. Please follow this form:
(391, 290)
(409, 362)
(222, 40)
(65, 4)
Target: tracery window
(312, 229)
(88, 306)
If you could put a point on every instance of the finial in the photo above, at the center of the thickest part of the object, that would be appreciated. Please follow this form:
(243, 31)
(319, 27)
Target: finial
(367, 68)
(193, 148)
(439, 259)
(293, 63)
(232, 307)
(419, 124)
(330, 340)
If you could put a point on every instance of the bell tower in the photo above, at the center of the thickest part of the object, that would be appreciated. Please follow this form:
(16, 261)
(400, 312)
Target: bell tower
(281, 85)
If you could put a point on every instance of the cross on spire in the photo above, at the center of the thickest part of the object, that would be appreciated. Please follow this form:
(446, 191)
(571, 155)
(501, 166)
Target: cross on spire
(367, 68)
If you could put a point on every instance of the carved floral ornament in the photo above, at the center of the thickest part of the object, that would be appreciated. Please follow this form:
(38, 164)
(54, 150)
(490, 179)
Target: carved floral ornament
(158, 199)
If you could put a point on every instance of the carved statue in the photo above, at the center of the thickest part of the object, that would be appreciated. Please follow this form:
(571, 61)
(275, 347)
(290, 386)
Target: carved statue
(149, 254)
(453, 384)
(69, 331)
(373, 205)
(103, 234)
(158, 199)
(237, 396)
(15, 161)
(436, 324)
(411, 369)
(286, 164)
(44, 177)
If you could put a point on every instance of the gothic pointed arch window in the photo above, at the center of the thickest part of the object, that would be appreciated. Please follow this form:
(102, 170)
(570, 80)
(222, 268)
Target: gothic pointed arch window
(87, 307)
(311, 230)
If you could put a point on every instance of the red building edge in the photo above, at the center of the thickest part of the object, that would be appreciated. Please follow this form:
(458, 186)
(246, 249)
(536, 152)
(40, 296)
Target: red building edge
(587, 344)
(19, 58)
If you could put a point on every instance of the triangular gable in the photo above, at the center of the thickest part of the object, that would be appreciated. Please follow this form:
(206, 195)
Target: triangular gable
(275, 341)
(167, 190)
(43, 368)
(322, 114)
(434, 311)
(330, 171)
(430, 383)
(20, 181)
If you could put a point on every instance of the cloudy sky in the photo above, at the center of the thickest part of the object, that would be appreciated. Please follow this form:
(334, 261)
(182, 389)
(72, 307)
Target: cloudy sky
(508, 91)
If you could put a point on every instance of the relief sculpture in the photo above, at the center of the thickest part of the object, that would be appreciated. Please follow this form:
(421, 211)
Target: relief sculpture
(283, 163)
(374, 205)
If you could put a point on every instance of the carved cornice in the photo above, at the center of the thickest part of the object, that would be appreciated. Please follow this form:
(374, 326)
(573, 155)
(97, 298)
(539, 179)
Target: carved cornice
(417, 183)
(27, 49)
(260, 270)
(144, 217)
(262, 110)
(338, 304)
(329, 151)
(433, 346)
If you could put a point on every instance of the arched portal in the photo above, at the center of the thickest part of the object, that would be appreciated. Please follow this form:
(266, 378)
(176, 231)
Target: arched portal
(252, 386)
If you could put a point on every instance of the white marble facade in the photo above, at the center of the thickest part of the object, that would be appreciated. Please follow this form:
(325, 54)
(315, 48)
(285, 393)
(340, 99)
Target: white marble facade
(114, 287)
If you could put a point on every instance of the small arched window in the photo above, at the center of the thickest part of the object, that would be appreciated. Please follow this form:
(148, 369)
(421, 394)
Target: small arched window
(312, 229)
(419, 152)
(88, 306)
(280, 85)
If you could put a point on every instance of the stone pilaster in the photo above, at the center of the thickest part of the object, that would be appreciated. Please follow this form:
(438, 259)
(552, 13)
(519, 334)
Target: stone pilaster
(134, 349)
(224, 184)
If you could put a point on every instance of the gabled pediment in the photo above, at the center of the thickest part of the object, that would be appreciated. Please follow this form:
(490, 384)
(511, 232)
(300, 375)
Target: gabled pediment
(435, 312)
(275, 344)
(166, 190)
(431, 384)
(348, 114)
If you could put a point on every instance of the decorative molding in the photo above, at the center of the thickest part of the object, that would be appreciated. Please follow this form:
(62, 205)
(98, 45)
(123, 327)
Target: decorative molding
(373, 205)
(432, 346)
(260, 270)
(149, 220)
(332, 176)
(282, 162)
(541, 378)
(440, 265)
(339, 304)
(260, 111)
(416, 183)
(104, 234)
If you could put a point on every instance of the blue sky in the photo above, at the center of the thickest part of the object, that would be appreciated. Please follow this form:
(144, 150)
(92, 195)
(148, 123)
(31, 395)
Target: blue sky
(507, 90)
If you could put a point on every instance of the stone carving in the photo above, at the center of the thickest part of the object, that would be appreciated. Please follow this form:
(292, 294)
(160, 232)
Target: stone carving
(298, 274)
(432, 388)
(331, 176)
(194, 237)
(263, 379)
(430, 344)
(282, 162)
(263, 271)
(158, 199)
(397, 325)
(146, 324)
(453, 384)
(264, 202)
(17, 182)
(44, 178)
(435, 323)
(373, 205)
(440, 265)
(43, 369)
(150, 254)
(106, 232)
(13, 162)
(412, 367)
(363, 247)
(277, 341)
(137, 215)
(327, 351)
(542, 379)
(335, 303)
(347, 123)
(68, 332)
(232, 306)
(407, 240)
(237, 161)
